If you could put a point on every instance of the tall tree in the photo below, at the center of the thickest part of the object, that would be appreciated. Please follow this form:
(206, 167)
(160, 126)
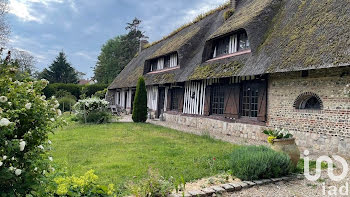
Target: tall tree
(60, 71)
(118, 52)
(25, 61)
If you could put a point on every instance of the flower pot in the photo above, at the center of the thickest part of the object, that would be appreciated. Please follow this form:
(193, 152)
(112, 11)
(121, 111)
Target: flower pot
(289, 147)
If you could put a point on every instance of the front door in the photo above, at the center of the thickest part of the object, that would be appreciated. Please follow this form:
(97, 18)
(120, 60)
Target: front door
(161, 101)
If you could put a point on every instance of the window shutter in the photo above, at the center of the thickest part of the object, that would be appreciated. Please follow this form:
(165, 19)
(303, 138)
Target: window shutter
(262, 103)
(207, 101)
(232, 101)
(168, 105)
(180, 96)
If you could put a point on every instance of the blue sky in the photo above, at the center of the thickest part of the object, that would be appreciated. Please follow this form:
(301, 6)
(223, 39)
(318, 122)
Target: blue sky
(81, 27)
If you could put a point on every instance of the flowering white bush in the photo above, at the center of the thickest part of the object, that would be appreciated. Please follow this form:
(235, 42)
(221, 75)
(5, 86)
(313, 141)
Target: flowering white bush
(93, 110)
(25, 122)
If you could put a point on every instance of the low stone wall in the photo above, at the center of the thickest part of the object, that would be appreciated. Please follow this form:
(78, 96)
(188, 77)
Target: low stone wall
(218, 128)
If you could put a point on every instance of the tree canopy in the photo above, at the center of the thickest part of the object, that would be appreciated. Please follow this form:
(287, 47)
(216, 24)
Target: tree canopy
(60, 71)
(117, 52)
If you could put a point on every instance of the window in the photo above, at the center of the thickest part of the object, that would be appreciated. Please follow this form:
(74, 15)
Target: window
(217, 100)
(154, 65)
(230, 44)
(168, 61)
(174, 100)
(250, 96)
(308, 101)
(243, 41)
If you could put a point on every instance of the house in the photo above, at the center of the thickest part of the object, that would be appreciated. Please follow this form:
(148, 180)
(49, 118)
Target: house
(273, 63)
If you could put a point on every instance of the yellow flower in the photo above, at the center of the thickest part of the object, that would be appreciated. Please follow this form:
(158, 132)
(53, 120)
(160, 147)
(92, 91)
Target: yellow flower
(270, 139)
(110, 189)
(62, 189)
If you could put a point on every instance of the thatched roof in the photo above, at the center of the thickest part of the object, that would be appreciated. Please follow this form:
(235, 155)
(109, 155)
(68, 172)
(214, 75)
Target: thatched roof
(285, 36)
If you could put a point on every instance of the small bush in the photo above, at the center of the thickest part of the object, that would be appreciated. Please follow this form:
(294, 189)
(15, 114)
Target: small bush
(66, 103)
(153, 186)
(92, 110)
(70, 186)
(140, 103)
(259, 162)
(228, 13)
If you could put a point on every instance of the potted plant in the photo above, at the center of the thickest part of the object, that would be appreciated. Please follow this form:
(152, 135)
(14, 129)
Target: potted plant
(282, 140)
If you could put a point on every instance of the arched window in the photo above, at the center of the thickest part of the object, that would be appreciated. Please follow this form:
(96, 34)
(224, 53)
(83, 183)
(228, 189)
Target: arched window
(309, 101)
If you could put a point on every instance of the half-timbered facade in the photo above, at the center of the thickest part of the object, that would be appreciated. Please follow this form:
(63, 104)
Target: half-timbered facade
(273, 63)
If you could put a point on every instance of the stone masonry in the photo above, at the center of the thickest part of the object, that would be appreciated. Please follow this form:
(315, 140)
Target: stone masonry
(320, 131)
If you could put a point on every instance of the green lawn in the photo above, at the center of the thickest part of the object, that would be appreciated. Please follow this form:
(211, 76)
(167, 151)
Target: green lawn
(121, 152)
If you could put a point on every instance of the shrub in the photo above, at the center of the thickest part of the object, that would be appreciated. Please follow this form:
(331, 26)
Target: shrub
(69, 186)
(92, 110)
(92, 89)
(228, 13)
(67, 103)
(259, 162)
(277, 134)
(140, 103)
(153, 186)
(26, 119)
(52, 89)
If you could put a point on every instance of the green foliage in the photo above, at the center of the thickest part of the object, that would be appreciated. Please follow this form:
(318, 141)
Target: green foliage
(100, 94)
(130, 146)
(60, 71)
(116, 53)
(73, 186)
(92, 89)
(92, 110)
(66, 102)
(152, 186)
(54, 89)
(140, 102)
(228, 13)
(277, 134)
(26, 119)
(312, 166)
(259, 162)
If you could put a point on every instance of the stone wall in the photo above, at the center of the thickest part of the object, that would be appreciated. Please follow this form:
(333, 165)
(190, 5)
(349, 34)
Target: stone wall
(321, 131)
(218, 128)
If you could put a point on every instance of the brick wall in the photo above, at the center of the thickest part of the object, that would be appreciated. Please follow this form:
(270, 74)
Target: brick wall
(326, 130)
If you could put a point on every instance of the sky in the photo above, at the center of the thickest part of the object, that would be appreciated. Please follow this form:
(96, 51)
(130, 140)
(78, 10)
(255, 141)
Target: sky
(80, 27)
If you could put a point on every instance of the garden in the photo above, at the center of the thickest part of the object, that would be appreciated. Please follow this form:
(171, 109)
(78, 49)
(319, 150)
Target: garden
(45, 153)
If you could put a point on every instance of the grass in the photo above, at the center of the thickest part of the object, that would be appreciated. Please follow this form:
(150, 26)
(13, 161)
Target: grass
(122, 152)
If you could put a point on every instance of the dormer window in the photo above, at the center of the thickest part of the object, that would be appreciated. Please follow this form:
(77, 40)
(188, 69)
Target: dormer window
(230, 44)
(168, 61)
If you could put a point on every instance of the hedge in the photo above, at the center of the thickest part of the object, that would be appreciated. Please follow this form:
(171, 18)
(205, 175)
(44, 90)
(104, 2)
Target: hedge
(75, 89)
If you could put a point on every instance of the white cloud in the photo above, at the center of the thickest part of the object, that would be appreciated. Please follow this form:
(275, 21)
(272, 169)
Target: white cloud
(25, 11)
(92, 56)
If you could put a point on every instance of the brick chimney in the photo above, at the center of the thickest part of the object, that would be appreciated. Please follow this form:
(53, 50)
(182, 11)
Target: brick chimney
(142, 44)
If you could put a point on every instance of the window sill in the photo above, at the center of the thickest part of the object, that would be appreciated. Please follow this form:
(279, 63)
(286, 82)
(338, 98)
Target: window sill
(164, 70)
(230, 55)
(309, 111)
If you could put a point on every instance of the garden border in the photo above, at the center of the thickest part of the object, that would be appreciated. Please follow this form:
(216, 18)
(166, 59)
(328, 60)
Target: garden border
(235, 186)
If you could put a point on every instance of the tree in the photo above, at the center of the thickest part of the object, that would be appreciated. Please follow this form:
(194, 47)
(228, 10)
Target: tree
(60, 71)
(25, 61)
(117, 53)
(139, 113)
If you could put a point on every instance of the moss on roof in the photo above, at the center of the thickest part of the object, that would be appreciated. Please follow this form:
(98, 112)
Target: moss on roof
(310, 33)
(176, 42)
(161, 78)
(242, 16)
(216, 70)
